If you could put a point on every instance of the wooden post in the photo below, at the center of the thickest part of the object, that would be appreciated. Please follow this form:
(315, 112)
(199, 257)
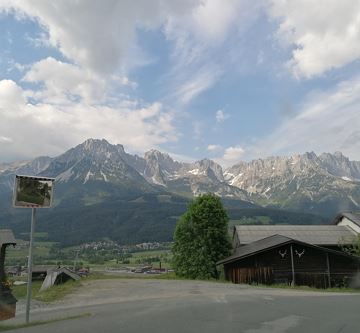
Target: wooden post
(328, 269)
(292, 266)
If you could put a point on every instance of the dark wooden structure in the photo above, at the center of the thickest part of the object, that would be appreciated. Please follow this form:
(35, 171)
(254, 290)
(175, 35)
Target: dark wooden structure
(281, 260)
(7, 300)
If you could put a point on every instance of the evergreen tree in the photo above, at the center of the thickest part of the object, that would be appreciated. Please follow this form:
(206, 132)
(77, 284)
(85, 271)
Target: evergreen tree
(201, 238)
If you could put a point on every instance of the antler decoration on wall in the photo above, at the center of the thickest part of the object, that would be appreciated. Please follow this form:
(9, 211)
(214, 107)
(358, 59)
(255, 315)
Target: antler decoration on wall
(283, 254)
(300, 254)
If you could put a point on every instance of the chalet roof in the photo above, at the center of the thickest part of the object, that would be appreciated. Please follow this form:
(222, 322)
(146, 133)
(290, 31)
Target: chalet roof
(7, 237)
(352, 216)
(271, 242)
(312, 234)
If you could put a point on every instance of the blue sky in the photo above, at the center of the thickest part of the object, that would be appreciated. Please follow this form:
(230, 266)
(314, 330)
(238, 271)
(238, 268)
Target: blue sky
(229, 80)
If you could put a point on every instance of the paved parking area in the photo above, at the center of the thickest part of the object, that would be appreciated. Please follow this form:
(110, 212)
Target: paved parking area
(135, 305)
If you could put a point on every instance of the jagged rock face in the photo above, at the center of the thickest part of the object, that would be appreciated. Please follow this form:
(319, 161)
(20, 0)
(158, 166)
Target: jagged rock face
(252, 175)
(205, 176)
(339, 165)
(94, 160)
(209, 169)
(160, 167)
(299, 181)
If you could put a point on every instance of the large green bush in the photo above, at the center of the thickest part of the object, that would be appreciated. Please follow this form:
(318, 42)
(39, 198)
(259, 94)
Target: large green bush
(201, 238)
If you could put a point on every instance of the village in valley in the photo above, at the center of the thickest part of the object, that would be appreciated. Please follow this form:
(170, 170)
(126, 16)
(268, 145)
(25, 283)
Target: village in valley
(307, 255)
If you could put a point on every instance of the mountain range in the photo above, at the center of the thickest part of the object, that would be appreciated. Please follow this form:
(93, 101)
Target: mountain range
(96, 177)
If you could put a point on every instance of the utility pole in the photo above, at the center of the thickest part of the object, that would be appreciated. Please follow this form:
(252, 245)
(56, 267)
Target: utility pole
(76, 259)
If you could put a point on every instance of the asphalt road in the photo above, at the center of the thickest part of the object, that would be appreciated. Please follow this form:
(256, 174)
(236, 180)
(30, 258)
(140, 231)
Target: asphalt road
(190, 306)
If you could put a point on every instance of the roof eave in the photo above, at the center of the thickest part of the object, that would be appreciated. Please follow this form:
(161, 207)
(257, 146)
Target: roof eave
(224, 261)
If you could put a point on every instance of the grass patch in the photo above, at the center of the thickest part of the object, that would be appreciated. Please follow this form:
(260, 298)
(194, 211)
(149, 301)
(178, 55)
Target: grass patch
(307, 288)
(4, 328)
(20, 291)
(50, 295)
(164, 276)
(57, 292)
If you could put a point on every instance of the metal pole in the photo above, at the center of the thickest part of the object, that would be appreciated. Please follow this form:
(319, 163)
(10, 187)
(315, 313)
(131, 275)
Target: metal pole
(76, 259)
(29, 285)
(292, 266)
(328, 269)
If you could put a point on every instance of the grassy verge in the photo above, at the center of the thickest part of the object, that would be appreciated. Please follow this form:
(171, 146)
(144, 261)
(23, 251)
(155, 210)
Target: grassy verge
(4, 328)
(52, 294)
(164, 276)
(306, 288)
(57, 292)
(173, 276)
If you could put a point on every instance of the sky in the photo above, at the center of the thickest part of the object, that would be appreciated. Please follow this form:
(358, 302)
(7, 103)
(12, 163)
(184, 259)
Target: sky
(228, 80)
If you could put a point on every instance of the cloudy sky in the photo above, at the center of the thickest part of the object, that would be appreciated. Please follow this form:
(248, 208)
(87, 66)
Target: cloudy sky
(225, 79)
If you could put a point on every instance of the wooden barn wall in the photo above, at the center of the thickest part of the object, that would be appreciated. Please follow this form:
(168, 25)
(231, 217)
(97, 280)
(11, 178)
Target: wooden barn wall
(274, 266)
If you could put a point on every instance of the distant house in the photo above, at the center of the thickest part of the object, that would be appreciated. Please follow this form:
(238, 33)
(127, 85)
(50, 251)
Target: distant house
(294, 254)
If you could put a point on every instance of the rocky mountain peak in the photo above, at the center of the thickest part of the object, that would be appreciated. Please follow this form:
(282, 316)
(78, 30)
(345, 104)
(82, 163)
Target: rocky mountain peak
(210, 169)
(339, 165)
(96, 145)
(120, 149)
(157, 155)
(287, 181)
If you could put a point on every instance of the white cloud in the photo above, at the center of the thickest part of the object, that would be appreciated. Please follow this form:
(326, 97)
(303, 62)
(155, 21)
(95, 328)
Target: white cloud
(44, 128)
(328, 121)
(96, 34)
(205, 24)
(325, 35)
(221, 116)
(197, 84)
(232, 155)
(101, 36)
(200, 41)
(11, 95)
(64, 82)
(5, 139)
(213, 147)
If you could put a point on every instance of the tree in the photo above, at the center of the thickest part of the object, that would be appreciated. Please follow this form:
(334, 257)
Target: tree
(201, 238)
(353, 248)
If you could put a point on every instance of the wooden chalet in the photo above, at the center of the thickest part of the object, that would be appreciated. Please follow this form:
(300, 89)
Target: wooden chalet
(295, 254)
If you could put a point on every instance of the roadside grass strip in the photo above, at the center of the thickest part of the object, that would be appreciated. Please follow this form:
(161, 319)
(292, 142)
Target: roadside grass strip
(52, 294)
(4, 328)
(306, 288)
